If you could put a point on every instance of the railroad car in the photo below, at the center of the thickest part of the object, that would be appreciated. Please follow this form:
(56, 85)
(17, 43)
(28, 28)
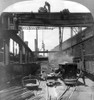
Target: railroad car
(69, 73)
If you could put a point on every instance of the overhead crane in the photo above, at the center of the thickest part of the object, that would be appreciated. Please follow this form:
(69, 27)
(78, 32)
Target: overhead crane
(55, 19)
(11, 21)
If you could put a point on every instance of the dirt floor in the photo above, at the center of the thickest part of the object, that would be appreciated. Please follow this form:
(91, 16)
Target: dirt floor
(59, 91)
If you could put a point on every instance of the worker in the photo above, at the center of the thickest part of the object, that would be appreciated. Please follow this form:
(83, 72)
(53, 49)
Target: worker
(82, 75)
(44, 75)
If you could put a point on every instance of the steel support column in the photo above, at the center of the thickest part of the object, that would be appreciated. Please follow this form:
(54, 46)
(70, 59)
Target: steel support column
(71, 32)
(20, 53)
(37, 38)
(28, 57)
(32, 58)
(60, 39)
(25, 56)
(6, 51)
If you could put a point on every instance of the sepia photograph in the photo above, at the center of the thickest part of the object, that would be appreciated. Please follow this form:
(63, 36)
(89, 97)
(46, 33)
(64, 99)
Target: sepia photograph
(46, 49)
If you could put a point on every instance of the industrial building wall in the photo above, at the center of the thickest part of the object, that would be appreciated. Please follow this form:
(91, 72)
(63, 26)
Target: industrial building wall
(82, 45)
(17, 71)
(77, 46)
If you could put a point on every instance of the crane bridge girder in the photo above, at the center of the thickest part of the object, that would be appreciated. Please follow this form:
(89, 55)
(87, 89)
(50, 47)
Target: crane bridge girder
(50, 19)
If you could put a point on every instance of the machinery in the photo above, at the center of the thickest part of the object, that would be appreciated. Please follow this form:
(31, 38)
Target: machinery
(68, 73)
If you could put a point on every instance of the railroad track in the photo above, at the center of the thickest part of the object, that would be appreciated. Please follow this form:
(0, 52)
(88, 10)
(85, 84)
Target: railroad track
(66, 92)
(15, 93)
(19, 93)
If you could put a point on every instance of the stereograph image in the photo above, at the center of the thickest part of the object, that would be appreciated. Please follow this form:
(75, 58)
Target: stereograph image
(46, 50)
